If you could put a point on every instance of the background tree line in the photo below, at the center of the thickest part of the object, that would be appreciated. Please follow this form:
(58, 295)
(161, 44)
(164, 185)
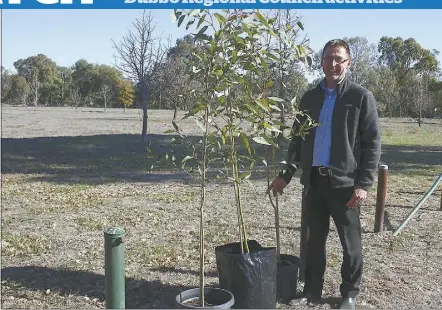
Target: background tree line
(38, 81)
(404, 76)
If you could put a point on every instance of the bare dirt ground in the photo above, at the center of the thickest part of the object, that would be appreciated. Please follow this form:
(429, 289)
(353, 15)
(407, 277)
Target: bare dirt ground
(67, 175)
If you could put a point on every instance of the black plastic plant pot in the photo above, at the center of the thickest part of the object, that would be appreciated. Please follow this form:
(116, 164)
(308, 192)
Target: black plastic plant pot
(214, 298)
(251, 277)
(288, 268)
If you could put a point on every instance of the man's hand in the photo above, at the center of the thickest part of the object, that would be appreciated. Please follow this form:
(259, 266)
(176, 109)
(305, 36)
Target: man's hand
(277, 186)
(359, 195)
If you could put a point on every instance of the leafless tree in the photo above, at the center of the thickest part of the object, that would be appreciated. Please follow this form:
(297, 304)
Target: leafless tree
(174, 83)
(363, 58)
(76, 97)
(421, 97)
(139, 54)
(106, 93)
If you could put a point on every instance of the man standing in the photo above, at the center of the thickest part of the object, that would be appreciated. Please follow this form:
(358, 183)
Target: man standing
(339, 160)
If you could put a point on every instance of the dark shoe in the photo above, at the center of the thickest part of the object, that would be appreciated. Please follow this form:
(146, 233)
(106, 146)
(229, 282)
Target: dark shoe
(348, 303)
(306, 299)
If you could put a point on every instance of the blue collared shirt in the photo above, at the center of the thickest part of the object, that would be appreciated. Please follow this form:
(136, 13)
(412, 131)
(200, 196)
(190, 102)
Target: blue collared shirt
(322, 144)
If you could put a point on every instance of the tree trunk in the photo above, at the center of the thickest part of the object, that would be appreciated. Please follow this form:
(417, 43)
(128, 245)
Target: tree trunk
(144, 130)
(281, 94)
(420, 118)
(160, 101)
(282, 115)
(175, 111)
(144, 102)
(36, 96)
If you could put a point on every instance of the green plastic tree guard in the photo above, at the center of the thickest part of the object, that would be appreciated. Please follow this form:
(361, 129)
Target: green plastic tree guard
(114, 268)
(416, 208)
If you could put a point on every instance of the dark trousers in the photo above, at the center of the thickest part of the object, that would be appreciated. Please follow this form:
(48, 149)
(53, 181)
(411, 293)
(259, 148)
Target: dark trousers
(324, 202)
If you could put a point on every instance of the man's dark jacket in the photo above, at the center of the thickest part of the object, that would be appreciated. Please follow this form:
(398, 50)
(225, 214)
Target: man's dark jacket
(355, 137)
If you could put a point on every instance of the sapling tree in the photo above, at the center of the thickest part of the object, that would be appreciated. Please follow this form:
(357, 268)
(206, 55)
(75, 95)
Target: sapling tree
(302, 124)
(233, 71)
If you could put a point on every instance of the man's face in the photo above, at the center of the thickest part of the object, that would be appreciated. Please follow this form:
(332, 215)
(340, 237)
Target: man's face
(335, 63)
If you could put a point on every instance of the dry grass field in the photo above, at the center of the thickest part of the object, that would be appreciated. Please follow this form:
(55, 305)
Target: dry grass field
(68, 174)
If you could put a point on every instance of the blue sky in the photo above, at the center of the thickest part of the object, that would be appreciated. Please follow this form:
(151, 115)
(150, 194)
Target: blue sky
(69, 35)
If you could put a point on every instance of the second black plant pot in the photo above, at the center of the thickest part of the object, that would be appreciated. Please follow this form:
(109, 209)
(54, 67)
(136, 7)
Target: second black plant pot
(288, 267)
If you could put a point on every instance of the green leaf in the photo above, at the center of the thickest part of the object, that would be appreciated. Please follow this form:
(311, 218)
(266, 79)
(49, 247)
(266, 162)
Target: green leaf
(277, 99)
(262, 19)
(270, 127)
(263, 104)
(188, 157)
(260, 140)
(219, 72)
(218, 34)
(189, 24)
(238, 40)
(274, 107)
(169, 131)
(252, 109)
(252, 165)
(202, 30)
(300, 25)
(212, 47)
(195, 109)
(224, 134)
(180, 21)
(200, 125)
(202, 36)
(221, 100)
(202, 20)
(245, 176)
(185, 160)
(272, 56)
(234, 56)
(302, 50)
(211, 138)
(220, 18)
(177, 13)
(245, 141)
(282, 125)
(263, 63)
